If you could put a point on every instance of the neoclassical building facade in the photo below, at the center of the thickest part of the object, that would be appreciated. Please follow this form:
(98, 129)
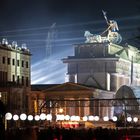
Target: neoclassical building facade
(106, 65)
(14, 76)
(96, 73)
(73, 98)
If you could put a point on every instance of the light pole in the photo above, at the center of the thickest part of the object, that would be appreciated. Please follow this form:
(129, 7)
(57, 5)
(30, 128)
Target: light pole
(49, 118)
(8, 117)
(60, 116)
(125, 113)
(135, 120)
(23, 117)
(16, 118)
(125, 116)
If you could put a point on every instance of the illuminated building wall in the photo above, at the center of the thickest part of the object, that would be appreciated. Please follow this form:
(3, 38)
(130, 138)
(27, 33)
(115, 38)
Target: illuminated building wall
(104, 65)
(73, 98)
(14, 74)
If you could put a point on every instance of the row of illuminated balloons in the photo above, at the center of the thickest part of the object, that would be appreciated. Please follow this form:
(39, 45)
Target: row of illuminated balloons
(61, 117)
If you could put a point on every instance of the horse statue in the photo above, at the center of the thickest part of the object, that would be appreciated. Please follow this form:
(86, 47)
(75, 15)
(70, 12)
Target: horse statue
(90, 38)
(112, 33)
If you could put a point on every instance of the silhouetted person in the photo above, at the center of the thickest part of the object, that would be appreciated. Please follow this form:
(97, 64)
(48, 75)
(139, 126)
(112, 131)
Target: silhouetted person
(2, 113)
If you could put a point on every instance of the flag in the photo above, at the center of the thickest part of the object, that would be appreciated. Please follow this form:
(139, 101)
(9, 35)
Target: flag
(104, 13)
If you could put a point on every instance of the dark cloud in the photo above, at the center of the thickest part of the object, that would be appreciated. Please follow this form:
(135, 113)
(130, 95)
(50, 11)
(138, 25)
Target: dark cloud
(45, 10)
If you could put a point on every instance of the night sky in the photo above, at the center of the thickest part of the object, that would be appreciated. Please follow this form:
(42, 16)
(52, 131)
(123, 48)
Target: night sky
(29, 21)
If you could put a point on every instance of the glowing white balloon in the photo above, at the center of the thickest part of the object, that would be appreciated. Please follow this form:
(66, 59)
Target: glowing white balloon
(67, 117)
(8, 116)
(91, 118)
(43, 116)
(15, 117)
(85, 118)
(114, 118)
(37, 117)
(77, 118)
(23, 116)
(106, 118)
(135, 119)
(96, 118)
(30, 117)
(73, 118)
(49, 117)
(129, 119)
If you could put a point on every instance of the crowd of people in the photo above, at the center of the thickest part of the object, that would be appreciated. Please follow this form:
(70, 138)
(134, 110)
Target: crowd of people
(57, 133)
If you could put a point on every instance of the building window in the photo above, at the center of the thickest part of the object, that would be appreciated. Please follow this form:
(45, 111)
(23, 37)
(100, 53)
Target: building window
(13, 62)
(3, 60)
(22, 63)
(17, 79)
(4, 98)
(27, 81)
(27, 64)
(22, 80)
(13, 78)
(3, 77)
(8, 61)
(17, 62)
